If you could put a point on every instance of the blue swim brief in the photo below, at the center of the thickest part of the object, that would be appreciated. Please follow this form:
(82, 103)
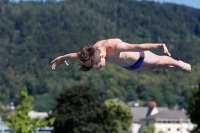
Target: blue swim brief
(137, 64)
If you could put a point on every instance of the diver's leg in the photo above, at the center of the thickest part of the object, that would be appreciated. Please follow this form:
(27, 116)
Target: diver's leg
(145, 68)
(152, 61)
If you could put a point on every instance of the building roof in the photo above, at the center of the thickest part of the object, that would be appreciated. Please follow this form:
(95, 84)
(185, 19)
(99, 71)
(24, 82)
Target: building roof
(169, 114)
(142, 112)
(162, 109)
(139, 113)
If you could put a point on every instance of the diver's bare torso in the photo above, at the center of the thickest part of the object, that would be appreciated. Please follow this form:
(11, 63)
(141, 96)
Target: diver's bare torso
(112, 55)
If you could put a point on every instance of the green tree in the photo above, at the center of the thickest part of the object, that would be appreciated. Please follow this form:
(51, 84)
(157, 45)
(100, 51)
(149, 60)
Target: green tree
(194, 107)
(120, 113)
(20, 122)
(149, 129)
(79, 110)
(161, 132)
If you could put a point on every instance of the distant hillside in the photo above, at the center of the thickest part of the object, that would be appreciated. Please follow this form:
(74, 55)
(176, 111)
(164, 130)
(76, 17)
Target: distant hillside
(33, 33)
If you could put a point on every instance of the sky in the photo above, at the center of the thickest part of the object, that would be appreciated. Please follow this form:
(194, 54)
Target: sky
(190, 3)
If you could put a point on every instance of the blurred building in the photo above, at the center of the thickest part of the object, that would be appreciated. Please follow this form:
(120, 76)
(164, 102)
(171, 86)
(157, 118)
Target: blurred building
(35, 114)
(141, 113)
(169, 121)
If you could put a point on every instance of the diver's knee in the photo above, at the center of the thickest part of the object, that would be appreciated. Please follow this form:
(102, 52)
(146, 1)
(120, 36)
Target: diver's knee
(162, 61)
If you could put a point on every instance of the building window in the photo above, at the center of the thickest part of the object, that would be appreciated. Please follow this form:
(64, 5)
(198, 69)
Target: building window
(178, 129)
(169, 129)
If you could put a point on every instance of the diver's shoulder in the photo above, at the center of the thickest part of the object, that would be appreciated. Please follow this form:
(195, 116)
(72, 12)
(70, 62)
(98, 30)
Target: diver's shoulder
(107, 42)
(114, 40)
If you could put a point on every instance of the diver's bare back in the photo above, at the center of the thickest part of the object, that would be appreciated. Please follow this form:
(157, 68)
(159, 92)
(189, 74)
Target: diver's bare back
(113, 55)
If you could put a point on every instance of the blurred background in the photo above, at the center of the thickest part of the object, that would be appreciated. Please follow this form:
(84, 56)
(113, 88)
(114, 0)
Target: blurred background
(33, 33)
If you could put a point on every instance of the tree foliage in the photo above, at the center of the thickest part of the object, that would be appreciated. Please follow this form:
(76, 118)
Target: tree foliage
(161, 132)
(32, 33)
(120, 113)
(78, 110)
(194, 107)
(20, 122)
(149, 129)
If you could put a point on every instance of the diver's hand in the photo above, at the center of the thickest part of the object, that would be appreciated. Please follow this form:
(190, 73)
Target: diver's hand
(57, 61)
(165, 50)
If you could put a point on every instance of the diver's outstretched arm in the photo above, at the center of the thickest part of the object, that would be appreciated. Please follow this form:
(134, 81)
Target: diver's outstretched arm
(62, 59)
(123, 46)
